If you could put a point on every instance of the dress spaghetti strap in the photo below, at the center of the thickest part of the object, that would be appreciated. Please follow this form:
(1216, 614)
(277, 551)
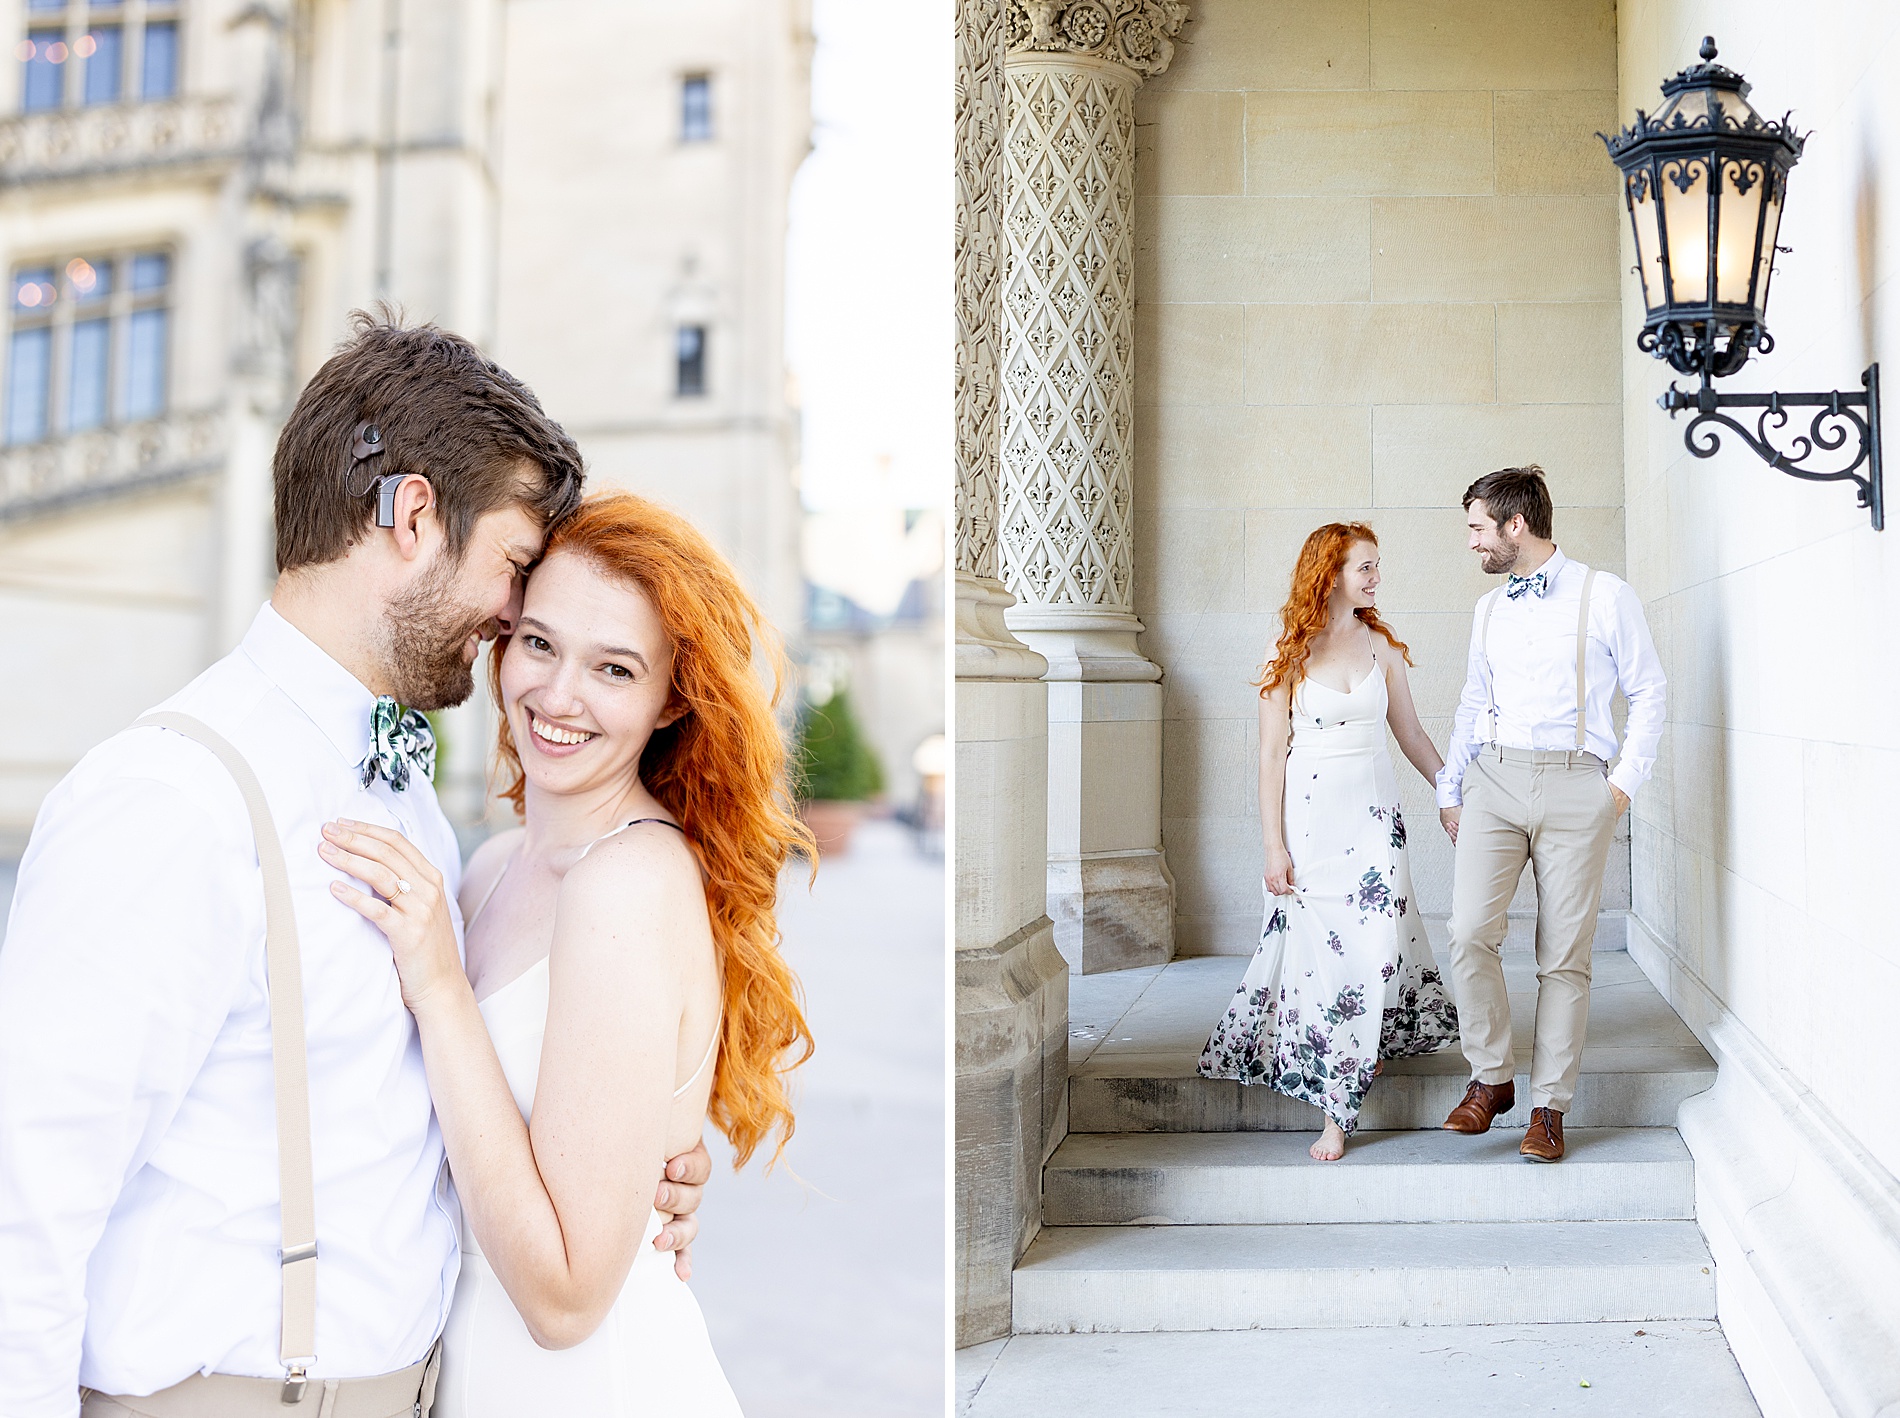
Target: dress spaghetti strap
(663, 821)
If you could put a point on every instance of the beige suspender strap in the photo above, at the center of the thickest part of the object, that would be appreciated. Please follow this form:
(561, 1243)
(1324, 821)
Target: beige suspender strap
(1583, 643)
(1484, 650)
(288, 1064)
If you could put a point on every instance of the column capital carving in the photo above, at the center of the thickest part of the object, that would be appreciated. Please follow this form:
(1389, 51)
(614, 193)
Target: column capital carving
(1137, 34)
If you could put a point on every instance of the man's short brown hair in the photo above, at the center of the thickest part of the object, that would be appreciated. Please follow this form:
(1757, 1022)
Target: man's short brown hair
(446, 413)
(1513, 492)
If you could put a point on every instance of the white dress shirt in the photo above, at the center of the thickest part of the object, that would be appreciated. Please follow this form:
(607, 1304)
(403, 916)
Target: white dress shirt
(1531, 665)
(139, 1224)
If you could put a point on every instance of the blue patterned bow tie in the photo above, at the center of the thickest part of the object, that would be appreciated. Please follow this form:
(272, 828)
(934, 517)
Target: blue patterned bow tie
(1518, 585)
(399, 739)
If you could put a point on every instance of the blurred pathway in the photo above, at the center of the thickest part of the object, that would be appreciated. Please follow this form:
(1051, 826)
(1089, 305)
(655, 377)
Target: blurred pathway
(824, 1291)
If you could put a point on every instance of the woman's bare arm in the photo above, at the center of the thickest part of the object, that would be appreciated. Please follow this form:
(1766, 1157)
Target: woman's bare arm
(1410, 735)
(559, 1207)
(1275, 731)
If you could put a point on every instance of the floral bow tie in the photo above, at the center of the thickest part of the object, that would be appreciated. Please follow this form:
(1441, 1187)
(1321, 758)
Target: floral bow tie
(1518, 585)
(399, 739)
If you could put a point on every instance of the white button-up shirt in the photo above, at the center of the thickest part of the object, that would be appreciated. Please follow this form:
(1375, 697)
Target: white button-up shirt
(1531, 665)
(139, 1224)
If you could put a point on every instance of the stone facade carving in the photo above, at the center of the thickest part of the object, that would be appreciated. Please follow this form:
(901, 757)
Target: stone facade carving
(1136, 34)
(979, 263)
(1068, 341)
(85, 142)
(40, 477)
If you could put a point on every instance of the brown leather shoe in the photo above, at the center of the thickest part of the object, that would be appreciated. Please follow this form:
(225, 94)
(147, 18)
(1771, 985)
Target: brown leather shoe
(1544, 1138)
(1482, 1102)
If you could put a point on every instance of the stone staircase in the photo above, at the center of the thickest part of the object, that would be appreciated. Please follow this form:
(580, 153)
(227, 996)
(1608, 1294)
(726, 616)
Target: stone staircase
(1179, 1203)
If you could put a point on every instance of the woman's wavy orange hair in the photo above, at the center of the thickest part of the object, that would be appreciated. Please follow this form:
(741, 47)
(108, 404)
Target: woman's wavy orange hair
(721, 770)
(1304, 614)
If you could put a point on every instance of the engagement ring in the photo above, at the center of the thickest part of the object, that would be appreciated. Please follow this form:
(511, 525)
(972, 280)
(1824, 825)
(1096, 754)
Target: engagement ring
(402, 887)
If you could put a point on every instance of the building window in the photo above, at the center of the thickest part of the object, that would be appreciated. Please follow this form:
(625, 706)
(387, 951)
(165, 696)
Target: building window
(90, 344)
(689, 361)
(696, 123)
(109, 54)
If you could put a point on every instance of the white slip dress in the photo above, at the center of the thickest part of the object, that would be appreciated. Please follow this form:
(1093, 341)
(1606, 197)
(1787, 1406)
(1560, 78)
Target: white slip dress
(1344, 975)
(651, 1355)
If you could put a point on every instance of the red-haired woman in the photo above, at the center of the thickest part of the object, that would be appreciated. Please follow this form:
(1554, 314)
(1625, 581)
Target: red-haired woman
(623, 978)
(1344, 976)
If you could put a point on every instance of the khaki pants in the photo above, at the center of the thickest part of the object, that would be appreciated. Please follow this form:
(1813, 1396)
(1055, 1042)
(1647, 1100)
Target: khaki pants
(403, 1394)
(1555, 811)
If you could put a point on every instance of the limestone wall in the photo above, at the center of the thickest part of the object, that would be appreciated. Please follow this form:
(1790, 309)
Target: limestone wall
(1376, 257)
(1762, 852)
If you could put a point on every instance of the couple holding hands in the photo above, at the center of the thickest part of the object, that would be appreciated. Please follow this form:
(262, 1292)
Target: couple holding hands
(1344, 977)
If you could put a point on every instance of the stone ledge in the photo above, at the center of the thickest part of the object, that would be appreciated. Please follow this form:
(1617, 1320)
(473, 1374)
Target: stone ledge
(1012, 1018)
(1804, 1224)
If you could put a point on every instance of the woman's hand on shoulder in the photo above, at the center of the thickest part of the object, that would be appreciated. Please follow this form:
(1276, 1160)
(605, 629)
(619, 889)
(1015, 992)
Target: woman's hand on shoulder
(407, 901)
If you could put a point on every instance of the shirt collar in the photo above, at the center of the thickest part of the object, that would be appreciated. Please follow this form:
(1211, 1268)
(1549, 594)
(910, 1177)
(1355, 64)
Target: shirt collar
(1553, 568)
(333, 699)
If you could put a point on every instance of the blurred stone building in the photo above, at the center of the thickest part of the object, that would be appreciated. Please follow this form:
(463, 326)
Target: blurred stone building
(195, 193)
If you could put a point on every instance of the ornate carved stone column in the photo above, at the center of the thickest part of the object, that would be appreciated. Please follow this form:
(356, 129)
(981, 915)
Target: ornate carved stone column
(1066, 499)
(1012, 993)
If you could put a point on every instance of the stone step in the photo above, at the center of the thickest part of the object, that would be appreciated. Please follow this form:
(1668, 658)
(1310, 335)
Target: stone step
(1661, 1369)
(1131, 1278)
(1210, 1179)
(1135, 1042)
(1638, 1088)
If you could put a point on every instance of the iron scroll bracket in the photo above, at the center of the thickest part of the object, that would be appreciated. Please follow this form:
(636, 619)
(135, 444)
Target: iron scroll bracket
(1839, 417)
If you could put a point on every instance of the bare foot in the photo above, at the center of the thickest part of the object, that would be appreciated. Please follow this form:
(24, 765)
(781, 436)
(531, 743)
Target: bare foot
(1331, 1145)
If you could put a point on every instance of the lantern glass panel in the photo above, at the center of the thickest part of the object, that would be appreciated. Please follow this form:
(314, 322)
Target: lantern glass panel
(1743, 182)
(1685, 209)
(1644, 215)
(1765, 262)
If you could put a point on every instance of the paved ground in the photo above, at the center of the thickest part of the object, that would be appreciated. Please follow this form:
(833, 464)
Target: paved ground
(823, 1283)
(1661, 1370)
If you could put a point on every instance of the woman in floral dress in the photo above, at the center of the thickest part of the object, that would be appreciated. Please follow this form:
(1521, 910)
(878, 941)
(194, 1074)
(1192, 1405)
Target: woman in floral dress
(1344, 976)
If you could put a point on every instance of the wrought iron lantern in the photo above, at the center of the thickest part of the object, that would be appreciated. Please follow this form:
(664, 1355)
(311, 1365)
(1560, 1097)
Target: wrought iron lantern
(1704, 180)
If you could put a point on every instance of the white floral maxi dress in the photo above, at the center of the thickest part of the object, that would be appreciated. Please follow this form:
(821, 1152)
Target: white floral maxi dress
(1344, 975)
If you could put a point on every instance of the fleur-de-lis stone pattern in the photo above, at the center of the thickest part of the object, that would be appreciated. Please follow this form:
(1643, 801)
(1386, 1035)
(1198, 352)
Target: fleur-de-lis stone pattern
(1068, 335)
(1068, 300)
(979, 263)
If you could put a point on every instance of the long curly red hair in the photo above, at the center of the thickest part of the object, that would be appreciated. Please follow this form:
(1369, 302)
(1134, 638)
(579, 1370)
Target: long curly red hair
(721, 770)
(1303, 616)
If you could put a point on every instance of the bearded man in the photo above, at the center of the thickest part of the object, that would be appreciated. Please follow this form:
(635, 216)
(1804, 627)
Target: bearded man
(1527, 777)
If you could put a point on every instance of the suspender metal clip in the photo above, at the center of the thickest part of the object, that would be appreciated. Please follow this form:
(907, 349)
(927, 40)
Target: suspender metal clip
(295, 1382)
(307, 1251)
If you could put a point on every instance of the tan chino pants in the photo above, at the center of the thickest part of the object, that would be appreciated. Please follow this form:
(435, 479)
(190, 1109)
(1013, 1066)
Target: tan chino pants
(1554, 810)
(404, 1394)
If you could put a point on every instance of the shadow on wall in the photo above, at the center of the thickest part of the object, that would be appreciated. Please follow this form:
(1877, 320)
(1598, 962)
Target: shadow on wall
(1867, 241)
